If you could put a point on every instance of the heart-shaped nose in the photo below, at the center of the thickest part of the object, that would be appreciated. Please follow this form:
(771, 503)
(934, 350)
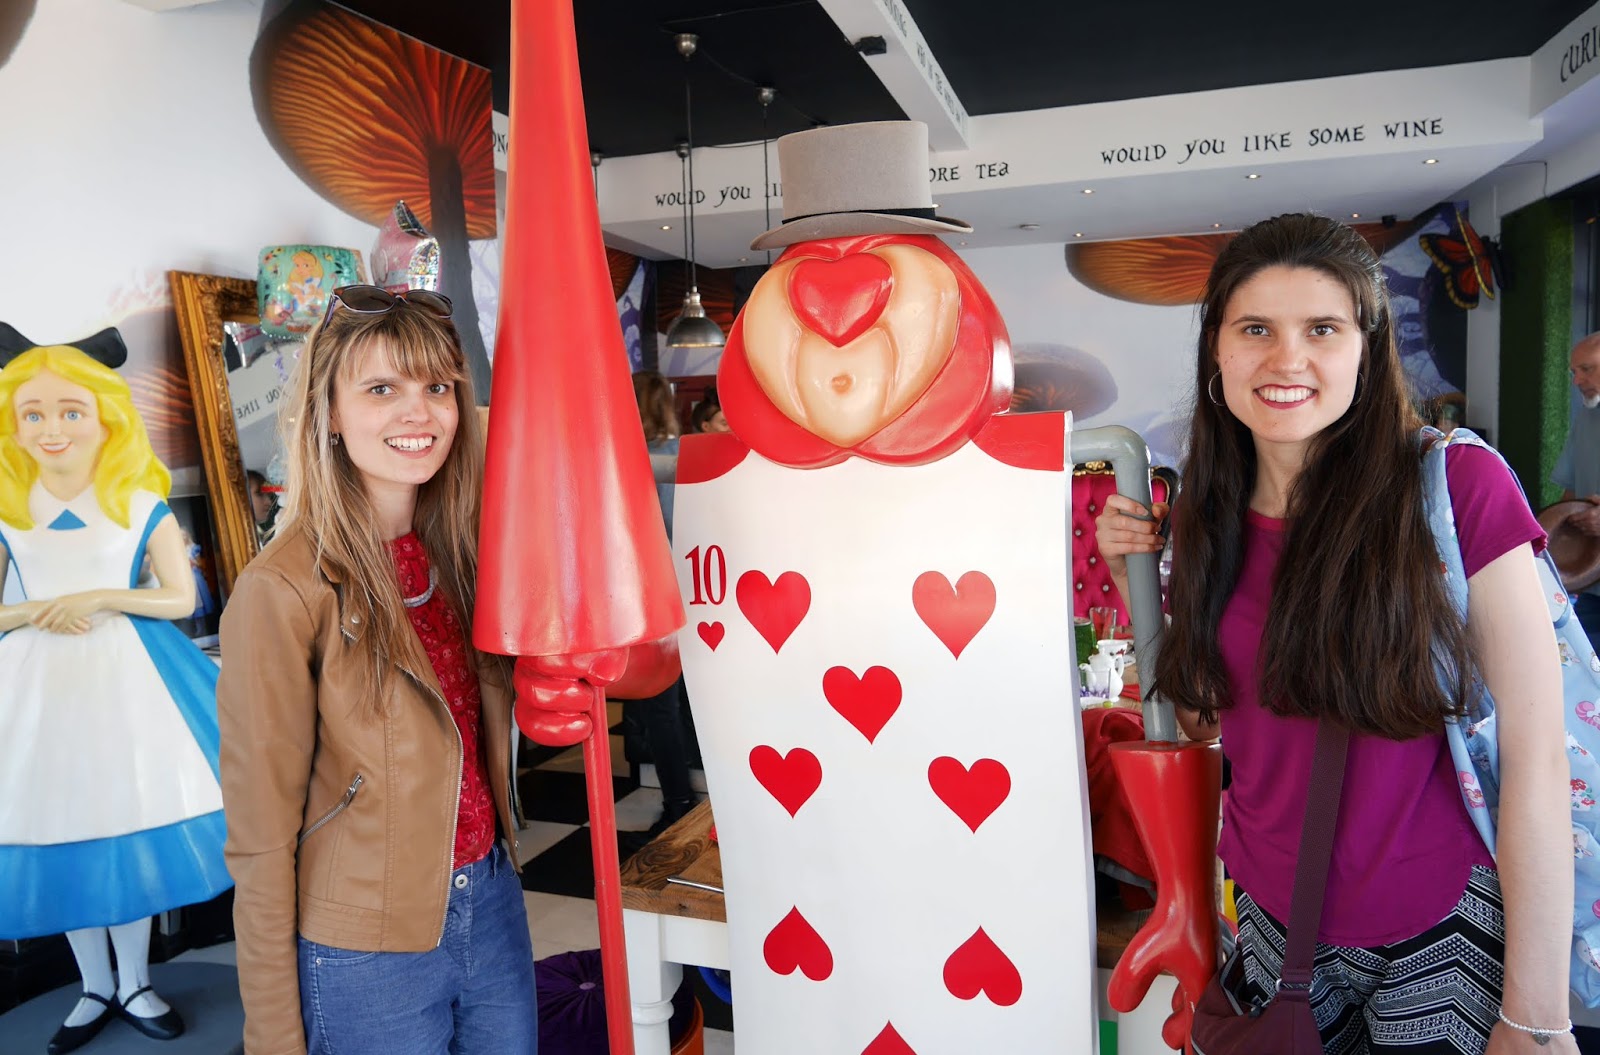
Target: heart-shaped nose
(840, 299)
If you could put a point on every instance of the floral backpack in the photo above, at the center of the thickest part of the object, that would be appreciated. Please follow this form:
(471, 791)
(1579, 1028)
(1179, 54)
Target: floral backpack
(1474, 740)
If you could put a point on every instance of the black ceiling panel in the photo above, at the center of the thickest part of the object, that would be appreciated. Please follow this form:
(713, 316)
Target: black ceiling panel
(1003, 56)
(1000, 55)
(633, 79)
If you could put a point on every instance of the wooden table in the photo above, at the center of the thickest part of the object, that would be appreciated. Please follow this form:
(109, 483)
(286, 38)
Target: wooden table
(669, 924)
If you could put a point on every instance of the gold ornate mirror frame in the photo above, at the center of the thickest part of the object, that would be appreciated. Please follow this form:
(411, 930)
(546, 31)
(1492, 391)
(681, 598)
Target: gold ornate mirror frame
(203, 303)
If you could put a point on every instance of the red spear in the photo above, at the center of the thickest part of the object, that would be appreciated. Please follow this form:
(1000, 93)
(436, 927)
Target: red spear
(574, 562)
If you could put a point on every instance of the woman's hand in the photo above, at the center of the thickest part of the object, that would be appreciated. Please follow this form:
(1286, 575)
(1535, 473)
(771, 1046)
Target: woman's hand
(20, 614)
(1507, 1041)
(69, 614)
(1118, 531)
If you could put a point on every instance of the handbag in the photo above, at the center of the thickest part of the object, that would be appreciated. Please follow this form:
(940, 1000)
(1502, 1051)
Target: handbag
(1225, 1024)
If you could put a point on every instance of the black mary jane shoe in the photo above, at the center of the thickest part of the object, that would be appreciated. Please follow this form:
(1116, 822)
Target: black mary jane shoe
(71, 1038)
(165, 1026)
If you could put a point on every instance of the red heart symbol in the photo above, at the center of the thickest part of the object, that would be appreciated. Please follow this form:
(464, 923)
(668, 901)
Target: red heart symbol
(889, 1042)
(972, 794)
(867, 702)
(712, 634)
(954, 614)
(793, 943)
(980, 967)
(840, 299)
(774, 608)
(790, 778)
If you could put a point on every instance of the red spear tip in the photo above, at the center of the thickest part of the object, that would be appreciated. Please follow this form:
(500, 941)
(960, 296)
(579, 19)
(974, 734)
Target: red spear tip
(573, 549)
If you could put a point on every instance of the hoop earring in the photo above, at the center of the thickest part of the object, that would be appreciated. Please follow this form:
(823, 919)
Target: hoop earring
(1209, 393)
(334, 439)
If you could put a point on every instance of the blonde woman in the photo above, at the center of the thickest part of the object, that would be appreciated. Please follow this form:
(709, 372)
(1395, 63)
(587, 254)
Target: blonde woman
(110, 809)
(366, 745)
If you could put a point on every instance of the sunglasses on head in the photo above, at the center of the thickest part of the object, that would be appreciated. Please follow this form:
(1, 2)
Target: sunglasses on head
(375, 300)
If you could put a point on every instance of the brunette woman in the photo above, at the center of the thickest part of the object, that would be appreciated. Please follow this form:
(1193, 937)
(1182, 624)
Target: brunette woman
(1306, 585)
(366, 744)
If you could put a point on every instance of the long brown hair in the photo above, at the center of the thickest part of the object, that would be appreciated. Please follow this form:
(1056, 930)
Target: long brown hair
(656, 411)
(326, 496)
(1359, 615)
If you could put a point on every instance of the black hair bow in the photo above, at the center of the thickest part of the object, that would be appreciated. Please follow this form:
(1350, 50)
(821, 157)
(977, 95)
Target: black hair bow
(105, 347)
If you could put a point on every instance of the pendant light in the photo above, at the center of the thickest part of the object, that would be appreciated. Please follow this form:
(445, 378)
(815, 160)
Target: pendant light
(765, 95)
(692, 328)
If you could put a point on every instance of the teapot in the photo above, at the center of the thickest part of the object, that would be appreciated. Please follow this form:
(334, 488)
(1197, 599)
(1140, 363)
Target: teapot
(1102, 675)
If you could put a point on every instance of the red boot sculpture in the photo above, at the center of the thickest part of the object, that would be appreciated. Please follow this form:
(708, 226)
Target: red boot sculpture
(1174, 790)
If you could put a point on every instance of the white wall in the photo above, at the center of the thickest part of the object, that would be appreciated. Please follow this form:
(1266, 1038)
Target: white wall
(132, 148)
(1146, 352)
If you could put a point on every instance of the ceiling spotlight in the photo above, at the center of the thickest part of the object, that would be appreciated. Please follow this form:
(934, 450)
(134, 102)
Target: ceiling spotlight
(1088, 190)
(1430, 161)
(744, 259)
(1027, 227)
(666, 227)
(961, 243)
(1355, 216)
(1216, 227)
(1254, 175)
(1077, 234)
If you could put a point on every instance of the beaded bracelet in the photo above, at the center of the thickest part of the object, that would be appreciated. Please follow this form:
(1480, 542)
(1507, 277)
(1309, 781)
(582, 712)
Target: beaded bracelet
(1541, 1037)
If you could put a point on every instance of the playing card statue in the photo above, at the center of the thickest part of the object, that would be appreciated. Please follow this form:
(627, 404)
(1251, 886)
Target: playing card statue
(875, 568)
(875, 563)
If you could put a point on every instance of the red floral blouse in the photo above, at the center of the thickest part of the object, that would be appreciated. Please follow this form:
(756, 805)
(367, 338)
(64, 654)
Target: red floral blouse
(440, 631)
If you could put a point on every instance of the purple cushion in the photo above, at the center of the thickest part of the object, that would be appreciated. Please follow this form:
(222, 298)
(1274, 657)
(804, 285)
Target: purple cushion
(572, 1005)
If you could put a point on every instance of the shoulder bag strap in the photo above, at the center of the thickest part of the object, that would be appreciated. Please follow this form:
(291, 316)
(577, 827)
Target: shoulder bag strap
(1316, 851)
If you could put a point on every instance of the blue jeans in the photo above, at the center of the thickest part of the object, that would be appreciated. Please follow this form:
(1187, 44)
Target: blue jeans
(473, 994)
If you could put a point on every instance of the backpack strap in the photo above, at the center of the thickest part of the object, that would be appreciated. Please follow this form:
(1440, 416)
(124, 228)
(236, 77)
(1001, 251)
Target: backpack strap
(1440, 513)
(1441, 518)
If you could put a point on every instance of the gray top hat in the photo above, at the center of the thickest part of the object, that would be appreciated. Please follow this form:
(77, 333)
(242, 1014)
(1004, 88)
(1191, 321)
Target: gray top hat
(868, 178)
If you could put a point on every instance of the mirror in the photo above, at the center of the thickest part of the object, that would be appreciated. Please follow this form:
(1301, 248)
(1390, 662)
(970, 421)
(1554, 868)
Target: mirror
(236, 384)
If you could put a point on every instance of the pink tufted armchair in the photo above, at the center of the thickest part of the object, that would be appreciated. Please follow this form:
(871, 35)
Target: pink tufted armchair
(1091, 582)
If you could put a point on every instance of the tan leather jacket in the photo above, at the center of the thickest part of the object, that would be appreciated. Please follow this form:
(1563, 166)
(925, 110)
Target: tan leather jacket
(341, 825)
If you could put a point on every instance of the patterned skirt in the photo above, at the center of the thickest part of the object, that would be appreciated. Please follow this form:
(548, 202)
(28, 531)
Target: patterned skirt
(1435, 994)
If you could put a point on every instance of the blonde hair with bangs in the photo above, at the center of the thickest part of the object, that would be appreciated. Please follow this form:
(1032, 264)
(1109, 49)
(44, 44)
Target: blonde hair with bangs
(326, 496)
(127, 463)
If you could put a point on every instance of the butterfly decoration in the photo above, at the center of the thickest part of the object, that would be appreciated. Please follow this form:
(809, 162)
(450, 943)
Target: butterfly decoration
(1465, 262)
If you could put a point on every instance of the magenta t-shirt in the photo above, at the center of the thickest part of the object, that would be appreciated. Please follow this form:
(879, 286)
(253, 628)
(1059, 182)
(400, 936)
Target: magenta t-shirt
(1404, 847)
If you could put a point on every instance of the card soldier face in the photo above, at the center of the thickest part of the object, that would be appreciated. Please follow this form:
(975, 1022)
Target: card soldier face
(883, 346)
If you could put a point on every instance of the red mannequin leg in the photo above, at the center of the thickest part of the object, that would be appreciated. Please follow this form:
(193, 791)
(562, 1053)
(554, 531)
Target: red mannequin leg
(1175, 791)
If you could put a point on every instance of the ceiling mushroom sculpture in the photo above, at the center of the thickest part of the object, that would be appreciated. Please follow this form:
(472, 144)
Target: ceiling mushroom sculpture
(1172, 271)
(14, 16)
(368, 117)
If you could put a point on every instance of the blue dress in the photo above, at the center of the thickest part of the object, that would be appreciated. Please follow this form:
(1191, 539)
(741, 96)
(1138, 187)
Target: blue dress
(110, 803)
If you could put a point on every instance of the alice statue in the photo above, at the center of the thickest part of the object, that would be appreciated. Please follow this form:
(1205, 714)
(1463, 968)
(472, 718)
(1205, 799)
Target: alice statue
(110, 807)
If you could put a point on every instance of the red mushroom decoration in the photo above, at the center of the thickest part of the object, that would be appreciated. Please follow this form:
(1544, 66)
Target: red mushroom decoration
(368, 117)
(14, 18)
(1172, 271)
